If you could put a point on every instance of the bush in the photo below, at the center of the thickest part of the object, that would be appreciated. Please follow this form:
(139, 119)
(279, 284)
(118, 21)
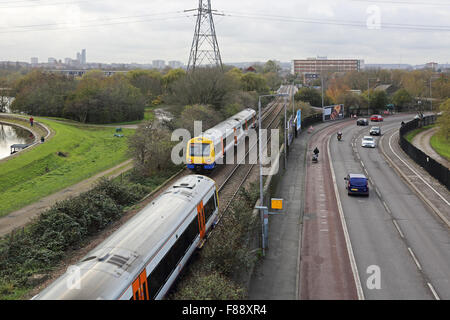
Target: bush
(209, 286)
(64, 226)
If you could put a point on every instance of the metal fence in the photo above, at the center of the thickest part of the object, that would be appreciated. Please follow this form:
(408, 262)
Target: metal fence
(434, 168)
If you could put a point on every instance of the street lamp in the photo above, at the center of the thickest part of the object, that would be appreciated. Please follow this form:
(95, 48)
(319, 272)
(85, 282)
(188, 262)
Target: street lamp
(264, 218)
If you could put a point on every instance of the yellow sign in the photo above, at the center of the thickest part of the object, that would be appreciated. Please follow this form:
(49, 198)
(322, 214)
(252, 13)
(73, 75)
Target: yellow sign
(277, 204)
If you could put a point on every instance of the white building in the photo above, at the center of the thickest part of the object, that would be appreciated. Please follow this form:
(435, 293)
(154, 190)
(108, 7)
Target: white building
(158, 64)
(175, 64)
(34, 61)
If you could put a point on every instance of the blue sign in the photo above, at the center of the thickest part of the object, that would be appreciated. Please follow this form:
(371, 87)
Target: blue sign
(299, 119)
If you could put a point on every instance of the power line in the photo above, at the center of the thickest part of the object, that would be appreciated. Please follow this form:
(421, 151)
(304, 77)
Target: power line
(405, 2)
(359, 24)
(94, 20)
(40, 4)
(97, 25)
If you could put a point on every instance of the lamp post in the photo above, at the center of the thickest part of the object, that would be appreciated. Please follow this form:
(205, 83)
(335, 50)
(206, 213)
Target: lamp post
(264, 219)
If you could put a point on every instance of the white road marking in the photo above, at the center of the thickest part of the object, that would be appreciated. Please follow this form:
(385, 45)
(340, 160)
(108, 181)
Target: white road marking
(398, 229)
(433, 291)
(415, 259)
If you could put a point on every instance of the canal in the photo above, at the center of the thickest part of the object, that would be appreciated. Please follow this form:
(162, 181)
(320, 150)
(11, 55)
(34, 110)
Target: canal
(10, 135)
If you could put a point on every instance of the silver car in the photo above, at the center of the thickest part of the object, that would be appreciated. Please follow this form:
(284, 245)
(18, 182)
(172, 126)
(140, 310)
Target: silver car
(368, 142)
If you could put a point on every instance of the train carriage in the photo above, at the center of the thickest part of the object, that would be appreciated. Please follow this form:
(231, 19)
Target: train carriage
(144, 257)
(206, 151)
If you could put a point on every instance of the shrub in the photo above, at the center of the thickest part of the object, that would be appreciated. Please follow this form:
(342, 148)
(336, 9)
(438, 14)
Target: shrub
(209, 286)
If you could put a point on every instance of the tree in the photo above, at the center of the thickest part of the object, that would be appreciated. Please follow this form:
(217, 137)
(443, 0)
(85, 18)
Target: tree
(444, 120)
(149, 82)
(310, 95)
(206, 86)
(171, 76)
(402, 98)
(105, 100)
(151, 148)
(271, 66)
(378, 100)
(254, 82)
(336, 87)
(207, 115)
(41, 93)
(352, 102)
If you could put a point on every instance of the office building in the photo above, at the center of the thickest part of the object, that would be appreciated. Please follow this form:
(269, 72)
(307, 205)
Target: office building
(322, 64)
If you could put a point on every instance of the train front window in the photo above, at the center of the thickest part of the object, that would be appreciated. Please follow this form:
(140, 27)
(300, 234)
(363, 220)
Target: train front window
(200, 149)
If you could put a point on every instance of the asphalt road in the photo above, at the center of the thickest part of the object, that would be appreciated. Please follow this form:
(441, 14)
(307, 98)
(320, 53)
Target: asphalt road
(401, 248)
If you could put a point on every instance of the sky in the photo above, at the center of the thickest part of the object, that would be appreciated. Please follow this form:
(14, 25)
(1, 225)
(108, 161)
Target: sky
(139, 31)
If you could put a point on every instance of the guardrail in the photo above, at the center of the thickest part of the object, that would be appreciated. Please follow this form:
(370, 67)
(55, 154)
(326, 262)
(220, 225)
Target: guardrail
(434, 168)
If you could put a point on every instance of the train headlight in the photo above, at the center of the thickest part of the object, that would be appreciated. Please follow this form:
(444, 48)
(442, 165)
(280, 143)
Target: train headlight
(208, 160)
(189, 160)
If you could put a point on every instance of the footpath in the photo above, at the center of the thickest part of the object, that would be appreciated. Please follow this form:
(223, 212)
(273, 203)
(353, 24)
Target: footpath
(21, 217)
(276, 277)
(422, 141)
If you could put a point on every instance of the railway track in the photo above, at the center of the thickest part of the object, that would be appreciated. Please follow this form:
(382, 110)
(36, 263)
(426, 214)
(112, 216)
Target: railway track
(232, 181)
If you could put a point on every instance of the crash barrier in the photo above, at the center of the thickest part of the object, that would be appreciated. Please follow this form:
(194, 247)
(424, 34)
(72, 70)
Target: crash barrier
(434, 168)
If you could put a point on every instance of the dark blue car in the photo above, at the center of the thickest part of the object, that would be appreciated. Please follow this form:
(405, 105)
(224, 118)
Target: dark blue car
(357, 183)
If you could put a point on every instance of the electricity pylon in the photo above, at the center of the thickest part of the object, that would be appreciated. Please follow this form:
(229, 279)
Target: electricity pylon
(204, 45)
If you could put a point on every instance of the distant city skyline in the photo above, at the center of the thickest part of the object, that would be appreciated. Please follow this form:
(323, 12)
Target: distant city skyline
(140, 31)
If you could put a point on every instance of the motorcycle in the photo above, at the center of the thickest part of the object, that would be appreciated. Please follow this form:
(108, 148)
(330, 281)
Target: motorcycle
(315, 158)
(339, 137)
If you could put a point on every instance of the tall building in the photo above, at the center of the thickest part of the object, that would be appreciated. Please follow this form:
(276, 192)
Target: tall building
(83, 56)
(34, 61)
(322, 64)
(51, 60)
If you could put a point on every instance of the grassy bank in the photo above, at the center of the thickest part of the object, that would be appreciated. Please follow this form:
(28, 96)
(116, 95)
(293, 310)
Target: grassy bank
(72, 155)
(441, 145)
(410, 135)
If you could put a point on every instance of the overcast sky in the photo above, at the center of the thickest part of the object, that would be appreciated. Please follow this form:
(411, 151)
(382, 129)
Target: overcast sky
(397, 31)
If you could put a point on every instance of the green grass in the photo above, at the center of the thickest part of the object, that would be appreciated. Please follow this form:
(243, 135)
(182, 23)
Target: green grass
(441, 145)
(410, 135)
(41, 171)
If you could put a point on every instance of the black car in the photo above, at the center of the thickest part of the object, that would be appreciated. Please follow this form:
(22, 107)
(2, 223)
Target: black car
(362, 122)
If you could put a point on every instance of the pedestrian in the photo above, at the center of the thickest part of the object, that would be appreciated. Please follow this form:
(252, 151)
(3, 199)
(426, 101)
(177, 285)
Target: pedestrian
(31, 121)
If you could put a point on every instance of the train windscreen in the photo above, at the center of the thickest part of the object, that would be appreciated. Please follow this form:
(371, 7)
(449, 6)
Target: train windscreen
(200, 150)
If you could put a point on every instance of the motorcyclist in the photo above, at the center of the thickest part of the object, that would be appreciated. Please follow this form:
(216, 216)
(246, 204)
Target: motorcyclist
(316, 151)
(339, 135)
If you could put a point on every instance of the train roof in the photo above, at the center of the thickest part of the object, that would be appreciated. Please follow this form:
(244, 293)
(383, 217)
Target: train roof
(244, 115)
(106, 271)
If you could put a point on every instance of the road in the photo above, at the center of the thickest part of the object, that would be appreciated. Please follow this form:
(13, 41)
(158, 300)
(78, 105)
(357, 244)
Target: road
(392, 231)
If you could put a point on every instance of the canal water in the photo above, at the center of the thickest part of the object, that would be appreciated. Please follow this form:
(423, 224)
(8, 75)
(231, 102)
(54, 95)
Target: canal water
(10, 135)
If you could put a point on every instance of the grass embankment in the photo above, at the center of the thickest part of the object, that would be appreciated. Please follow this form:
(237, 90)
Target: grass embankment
(410, 135)
(441, 145)
(437, 141)
(72, 155)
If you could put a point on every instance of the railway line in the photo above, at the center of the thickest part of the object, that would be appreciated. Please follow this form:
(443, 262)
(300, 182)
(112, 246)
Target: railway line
(231, 181)
(228, 178)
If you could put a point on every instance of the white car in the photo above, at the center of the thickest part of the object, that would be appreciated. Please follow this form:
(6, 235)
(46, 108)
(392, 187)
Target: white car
(368, 142)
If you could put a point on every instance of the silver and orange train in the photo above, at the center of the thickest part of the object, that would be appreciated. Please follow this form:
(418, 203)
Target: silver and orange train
(204, 152)
(143, 258)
